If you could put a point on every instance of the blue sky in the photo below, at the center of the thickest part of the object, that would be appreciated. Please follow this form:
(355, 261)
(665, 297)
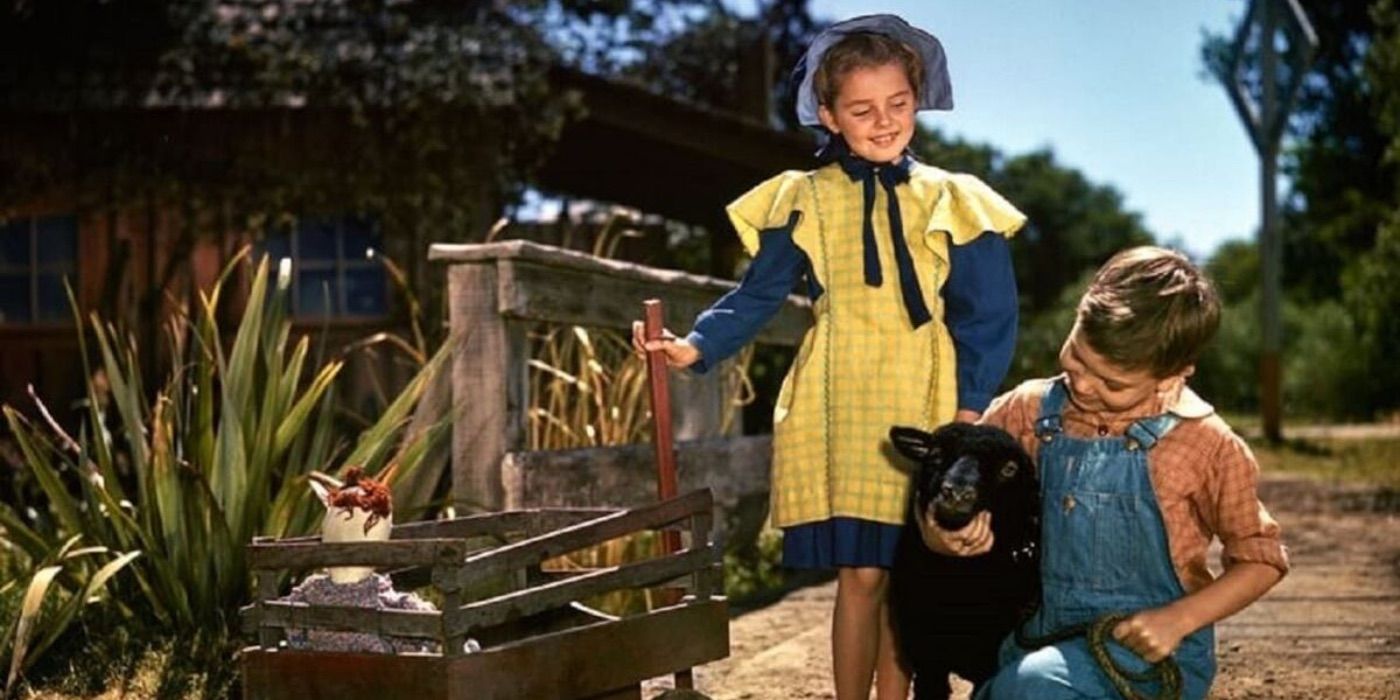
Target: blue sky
(1114, 87)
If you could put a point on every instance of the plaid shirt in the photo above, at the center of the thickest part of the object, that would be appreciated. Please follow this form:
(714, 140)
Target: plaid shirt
(1205, 477)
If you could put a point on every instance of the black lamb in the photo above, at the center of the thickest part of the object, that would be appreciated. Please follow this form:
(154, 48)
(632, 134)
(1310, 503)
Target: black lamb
(951, 613)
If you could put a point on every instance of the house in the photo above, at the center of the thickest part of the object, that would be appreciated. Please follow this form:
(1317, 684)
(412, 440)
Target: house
(138, 256)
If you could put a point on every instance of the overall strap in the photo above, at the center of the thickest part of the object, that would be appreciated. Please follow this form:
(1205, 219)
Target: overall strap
(1048, 423)
(1147, 432)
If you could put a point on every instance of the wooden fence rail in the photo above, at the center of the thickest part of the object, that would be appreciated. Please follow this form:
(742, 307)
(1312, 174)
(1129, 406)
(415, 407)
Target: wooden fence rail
(496, 293)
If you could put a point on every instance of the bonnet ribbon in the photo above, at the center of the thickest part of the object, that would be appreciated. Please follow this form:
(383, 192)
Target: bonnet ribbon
(889, 175)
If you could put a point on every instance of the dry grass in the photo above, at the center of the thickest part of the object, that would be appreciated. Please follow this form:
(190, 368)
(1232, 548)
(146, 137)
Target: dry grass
(1373, 461)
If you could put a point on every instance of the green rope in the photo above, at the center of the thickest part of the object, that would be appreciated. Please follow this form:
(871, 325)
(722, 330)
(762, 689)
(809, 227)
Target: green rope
(1097, 633)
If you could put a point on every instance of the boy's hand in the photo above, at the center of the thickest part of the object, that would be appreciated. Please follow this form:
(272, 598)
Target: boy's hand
(973, 540)
(1152, 634)
(679, 353)
(966, 415)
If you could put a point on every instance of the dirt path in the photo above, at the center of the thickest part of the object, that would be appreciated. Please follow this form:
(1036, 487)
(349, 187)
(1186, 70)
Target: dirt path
(1330, 630)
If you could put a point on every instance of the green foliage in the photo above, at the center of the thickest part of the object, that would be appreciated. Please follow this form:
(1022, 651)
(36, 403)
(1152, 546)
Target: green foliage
(754, 567)
(188, 475)
(42, 600)
(418, 111)
(1333, 151)
(1041, 335)
(1373, 296)
(1321, 372)
(1074, 224)
(1339, 273)
(703, 58)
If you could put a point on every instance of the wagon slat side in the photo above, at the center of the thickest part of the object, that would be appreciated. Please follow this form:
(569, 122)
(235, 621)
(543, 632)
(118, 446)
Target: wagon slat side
(540, 642)
(536, 549)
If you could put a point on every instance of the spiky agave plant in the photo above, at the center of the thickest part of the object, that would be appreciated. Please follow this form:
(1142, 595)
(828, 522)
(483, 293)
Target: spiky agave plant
(185, 477)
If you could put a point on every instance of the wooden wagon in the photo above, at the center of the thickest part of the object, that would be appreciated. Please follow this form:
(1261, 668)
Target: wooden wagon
(537, 642)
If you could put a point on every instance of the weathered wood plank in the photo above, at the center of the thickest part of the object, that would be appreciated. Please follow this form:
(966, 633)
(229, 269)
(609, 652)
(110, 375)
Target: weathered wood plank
(565, 294)
(565, 665)
(266, 583)
(736, 470)
(536, 549)
(557, 272)
(489, 387)
(403, 623)
(496, 610)
(526, 521)
(589, 661)
(315, 554)
(286, 674)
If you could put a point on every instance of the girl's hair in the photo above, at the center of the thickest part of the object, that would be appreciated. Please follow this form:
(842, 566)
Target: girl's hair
(1149, 308)
(864, 50)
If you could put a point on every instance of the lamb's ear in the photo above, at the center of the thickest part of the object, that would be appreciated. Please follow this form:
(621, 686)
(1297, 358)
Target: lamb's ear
(913, 443)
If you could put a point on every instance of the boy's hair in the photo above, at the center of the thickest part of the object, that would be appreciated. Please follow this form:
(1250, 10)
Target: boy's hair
(1149, 308)
(864, 50)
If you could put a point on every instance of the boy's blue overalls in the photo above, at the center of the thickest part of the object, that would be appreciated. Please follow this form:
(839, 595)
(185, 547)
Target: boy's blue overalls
(1104, 550)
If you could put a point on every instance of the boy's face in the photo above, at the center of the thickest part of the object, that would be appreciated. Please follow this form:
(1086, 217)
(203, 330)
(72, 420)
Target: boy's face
(874, 111)
(1097, 385)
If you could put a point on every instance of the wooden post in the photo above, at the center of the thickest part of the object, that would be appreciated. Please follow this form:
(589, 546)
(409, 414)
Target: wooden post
(1266, 119)
(666, 480)
(266, 581)
(489, 386)
(1270, 247)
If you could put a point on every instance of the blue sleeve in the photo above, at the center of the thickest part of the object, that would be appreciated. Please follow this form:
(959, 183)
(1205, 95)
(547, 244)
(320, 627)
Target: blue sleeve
(732, 321)
(981, 311)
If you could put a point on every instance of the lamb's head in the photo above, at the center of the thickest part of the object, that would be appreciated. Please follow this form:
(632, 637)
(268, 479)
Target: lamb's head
(961, 468)
(357, 510)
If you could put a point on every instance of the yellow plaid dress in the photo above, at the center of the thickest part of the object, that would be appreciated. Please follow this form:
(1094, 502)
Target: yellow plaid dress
(862, 367)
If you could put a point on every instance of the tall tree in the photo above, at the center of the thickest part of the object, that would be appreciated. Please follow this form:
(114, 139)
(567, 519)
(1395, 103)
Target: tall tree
(1074, 224)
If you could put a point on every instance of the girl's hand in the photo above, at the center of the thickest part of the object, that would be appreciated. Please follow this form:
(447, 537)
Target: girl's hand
(973, 540)
(679, 353)
(1152, 634)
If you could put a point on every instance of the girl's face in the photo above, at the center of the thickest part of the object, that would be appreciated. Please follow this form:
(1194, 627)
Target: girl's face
(874, 111)
(1099, 386)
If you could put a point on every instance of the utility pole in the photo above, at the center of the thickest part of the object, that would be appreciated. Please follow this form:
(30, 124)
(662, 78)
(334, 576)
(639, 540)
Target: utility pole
(1265, 117)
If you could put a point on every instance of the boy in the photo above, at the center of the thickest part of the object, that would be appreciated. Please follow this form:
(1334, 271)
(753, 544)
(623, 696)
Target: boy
(1137, 475)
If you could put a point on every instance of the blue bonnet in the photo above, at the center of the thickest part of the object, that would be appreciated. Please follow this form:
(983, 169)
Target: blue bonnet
(936, 91)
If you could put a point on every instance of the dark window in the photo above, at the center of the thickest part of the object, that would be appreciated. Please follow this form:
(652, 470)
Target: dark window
(36, 254)
(334, 271)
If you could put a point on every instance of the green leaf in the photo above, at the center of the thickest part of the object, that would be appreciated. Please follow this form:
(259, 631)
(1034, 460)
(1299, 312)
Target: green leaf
(295, 419)
(28, 616)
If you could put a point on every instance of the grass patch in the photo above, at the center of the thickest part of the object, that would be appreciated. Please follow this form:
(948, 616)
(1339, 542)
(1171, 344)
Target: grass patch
(1354, 461)
(119, 664)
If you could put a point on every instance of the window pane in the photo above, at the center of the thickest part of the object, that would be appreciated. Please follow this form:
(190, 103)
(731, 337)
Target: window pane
(14, 299)
(58, 240)
(360, 236)
(365, 292)
(316, 239)
(53, 298)
(277, 246)
(316, 293)
(14, 243)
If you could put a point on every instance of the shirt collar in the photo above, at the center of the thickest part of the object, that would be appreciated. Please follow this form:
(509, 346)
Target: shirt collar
(1189, 404)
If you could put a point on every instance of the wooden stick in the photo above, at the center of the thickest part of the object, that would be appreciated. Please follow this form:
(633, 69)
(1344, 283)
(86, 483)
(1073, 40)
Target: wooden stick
(666, 480)
(653, 325)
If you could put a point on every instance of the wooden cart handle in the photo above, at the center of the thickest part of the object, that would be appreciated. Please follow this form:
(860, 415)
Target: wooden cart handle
(657, 371)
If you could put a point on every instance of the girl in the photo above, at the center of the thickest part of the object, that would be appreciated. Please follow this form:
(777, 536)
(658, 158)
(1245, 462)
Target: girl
(910, 278)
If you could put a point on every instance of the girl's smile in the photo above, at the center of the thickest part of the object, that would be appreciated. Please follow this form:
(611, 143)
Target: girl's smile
(874, 112)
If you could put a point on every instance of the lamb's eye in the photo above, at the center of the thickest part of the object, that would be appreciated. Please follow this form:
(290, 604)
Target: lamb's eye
(1008, 470)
